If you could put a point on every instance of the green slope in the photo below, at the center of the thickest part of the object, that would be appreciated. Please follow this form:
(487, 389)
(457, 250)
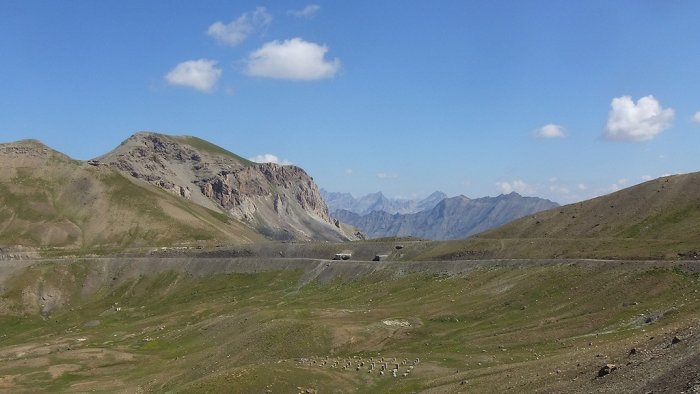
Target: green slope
(206, 146)
(214, 326)
(48, 199)
(656, 219)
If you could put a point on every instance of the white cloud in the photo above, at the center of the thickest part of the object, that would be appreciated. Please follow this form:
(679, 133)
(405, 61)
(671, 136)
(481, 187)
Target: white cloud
(307, 12)
(551, 131)
(642, 121)
(292, 59)
(614, 187)
(269, 158)
(384, 175)
(238, 30)
(197, 74)
(620, 184)
(646, 177)
(517, 186)
(559, 189)
(696, 117)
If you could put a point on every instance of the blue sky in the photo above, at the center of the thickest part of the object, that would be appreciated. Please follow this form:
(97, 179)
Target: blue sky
(564, 100)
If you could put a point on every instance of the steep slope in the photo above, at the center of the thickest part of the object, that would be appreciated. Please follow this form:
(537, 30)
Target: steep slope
(48, 199)
(665, 208)
(656, 219)
(378, 202)
(452, 218)
(281, 202)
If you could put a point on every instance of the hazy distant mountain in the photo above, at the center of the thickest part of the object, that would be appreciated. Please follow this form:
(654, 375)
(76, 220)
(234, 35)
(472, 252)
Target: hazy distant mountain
(378, 202)
(451, 218)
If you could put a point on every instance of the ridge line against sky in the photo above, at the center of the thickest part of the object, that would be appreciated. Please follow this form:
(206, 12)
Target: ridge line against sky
(560, 100)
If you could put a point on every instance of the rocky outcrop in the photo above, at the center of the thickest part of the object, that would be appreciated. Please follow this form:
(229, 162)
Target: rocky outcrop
(606, 370)
(281, 202)
(238, 191)
(149, 156)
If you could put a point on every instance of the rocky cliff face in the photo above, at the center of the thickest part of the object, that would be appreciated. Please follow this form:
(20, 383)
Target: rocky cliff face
(281, 202)
(452, 218)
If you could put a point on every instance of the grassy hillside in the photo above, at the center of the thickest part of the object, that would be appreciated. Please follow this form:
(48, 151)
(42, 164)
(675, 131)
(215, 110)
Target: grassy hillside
(206, 146)
(656, 219)
(48, 199)
(277, 325)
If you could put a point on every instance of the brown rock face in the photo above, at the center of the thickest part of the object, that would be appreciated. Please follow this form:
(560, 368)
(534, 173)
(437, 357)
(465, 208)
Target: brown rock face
(606, 370)
(281, 202)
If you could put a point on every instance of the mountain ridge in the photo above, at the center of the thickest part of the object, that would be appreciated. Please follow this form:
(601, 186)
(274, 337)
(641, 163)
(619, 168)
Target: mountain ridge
(452, 218)
(379, 202)
(279, 201)
(49, 199)
(211, 194)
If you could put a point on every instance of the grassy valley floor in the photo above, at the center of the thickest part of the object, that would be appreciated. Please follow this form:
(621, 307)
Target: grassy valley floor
(291, 325)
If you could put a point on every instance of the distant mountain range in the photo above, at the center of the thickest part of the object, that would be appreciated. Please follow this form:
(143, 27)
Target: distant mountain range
(451, 218)
(378, 202)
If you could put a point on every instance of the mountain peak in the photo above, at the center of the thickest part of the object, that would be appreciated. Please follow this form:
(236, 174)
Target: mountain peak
(279, 201)
(436, 194)
(30, 148)
(379, 202)
(157, 141)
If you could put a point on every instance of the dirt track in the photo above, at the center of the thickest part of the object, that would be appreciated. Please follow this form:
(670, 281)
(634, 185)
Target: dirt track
(320, 269)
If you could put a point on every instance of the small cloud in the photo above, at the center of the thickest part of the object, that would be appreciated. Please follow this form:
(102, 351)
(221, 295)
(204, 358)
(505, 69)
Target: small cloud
(517, 186)
(620, 184)
(384, 175)
(236, 31)
(642, 121)
(199, 74)
(293, 59)
(559, 189)
(307, 12)
(696, 117)
(269, 158)
(348, 172)
(646, 178)
(551, 131)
